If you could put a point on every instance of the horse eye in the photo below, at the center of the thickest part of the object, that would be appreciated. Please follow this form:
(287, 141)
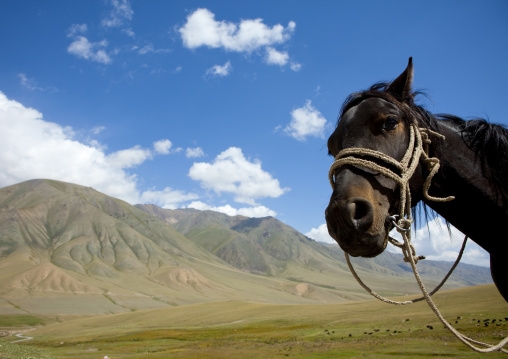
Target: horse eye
(391, 123)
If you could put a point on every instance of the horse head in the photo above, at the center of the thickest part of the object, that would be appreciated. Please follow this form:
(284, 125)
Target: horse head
(382, 167)
(363, 199)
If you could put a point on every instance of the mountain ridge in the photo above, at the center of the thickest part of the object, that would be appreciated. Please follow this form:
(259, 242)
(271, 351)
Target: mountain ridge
(268, 229)
(68, 249)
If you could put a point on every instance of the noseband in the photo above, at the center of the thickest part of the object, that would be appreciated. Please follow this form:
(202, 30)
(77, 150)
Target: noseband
(417, 151)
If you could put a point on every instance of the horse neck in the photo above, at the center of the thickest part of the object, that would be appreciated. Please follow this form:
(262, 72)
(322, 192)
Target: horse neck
(478, 209)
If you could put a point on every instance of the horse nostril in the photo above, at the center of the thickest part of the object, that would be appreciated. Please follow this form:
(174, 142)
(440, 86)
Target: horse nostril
(360, 213)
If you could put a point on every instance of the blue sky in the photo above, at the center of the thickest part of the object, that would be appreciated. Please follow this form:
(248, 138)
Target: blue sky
(227, 105)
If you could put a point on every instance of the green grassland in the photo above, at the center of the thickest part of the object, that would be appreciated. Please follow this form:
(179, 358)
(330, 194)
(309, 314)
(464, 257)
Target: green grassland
(239, 329)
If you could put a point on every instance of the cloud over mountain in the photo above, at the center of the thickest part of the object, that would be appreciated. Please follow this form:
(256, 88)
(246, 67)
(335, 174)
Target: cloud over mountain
(254, 212)
(31, 147)
(432, 240)
(231, 172)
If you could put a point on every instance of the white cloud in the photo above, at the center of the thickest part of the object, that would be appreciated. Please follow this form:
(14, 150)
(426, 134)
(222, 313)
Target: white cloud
(280, 58)
(129, 32)
(247, 36)
(320, 234)
(231, 172)
(31, 84)
(130, 157)
(93, 51)
(147, 49)
(253, 212)
(194, 152)
(167, 198)
(120, 13)
(274, 57)
(295, 66)
(28, 83)
(306, 121)
(218, 70)
(201, 29)
(76, 29)
(162, 147)
(98, 129)
(436, 244)
(33, 148)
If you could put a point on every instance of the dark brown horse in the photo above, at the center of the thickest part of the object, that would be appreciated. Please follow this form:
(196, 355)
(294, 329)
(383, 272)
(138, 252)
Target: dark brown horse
(474, 169)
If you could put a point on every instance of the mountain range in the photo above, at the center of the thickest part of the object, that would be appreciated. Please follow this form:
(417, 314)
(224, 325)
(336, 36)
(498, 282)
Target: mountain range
(69, 250)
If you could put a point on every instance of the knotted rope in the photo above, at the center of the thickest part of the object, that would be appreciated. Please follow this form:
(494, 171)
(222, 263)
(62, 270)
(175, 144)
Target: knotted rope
(417, 151)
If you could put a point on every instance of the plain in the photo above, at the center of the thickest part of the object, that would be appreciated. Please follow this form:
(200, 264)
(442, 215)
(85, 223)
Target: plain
(259, 330)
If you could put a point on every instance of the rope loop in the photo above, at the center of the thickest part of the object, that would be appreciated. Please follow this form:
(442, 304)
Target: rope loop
(404, 225)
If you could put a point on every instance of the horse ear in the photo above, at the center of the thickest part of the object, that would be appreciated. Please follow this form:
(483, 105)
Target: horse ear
(401, 86)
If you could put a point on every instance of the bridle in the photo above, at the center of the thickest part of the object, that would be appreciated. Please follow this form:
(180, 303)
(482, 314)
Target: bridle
(417, 151)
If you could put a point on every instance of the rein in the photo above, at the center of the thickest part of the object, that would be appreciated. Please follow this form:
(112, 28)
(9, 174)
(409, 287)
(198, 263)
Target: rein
(417, 151)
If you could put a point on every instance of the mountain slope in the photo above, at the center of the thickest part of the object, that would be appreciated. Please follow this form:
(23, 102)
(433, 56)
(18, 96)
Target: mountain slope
(269, 247)
(68, 249)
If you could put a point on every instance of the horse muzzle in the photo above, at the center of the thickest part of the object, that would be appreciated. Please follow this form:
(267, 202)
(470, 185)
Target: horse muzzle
(353, 225)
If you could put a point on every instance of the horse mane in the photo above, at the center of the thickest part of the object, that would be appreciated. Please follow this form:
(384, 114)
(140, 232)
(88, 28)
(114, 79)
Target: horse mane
(488, 141)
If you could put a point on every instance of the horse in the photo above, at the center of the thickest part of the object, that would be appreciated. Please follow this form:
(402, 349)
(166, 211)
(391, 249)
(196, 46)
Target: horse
(472, 178)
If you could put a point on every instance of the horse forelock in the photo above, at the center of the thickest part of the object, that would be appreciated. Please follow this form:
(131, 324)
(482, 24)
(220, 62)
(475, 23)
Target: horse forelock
(408, 106)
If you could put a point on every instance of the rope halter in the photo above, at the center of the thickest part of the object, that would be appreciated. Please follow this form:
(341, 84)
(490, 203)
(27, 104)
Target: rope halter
(417, 151)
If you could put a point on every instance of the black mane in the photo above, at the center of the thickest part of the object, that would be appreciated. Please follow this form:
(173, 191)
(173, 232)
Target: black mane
(489, 142)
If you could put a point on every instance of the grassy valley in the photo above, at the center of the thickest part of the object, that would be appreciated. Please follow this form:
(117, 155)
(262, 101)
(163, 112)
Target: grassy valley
(259, 330)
